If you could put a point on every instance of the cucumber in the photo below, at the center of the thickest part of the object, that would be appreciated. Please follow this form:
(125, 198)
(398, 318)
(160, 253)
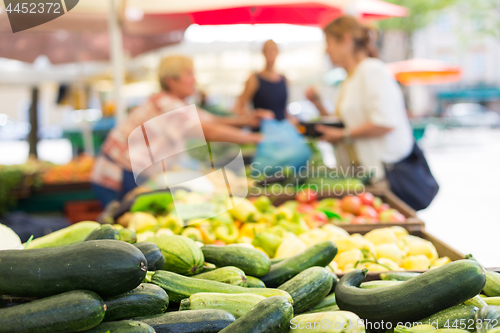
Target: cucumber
(417, 298)
(328, 301)
(235, 304)
(145, 300)
(379, 284)
(229, 275)
(73, 234)
(105, 231)
(182, 254)
(179, 287)
(253, 282)
(276, 260)
(452, 317)
(325, 309)
(320, 254)
(308, 288)
(492, 300)
(327, 322)
(476, 301)
(153, 255)
(107, 267)
(127, 235)
(398, 276)
(492, 287)
(194, 321)
(335, 280)
(123, 326)
(271, 315)
(251, 261)
(67, 312)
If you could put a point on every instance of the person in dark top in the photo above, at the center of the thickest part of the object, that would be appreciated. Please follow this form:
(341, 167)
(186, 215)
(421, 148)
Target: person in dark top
(267, 89)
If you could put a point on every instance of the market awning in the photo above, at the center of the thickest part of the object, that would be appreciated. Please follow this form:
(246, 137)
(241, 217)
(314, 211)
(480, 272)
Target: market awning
(424, 71)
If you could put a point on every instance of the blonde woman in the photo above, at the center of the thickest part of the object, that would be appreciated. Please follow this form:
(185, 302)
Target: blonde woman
(112, 175)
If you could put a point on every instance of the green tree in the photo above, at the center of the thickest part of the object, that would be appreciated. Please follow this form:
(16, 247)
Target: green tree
(484, 15)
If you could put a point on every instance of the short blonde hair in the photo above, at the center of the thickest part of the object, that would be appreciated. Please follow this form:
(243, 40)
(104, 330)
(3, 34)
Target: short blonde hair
(172, 67)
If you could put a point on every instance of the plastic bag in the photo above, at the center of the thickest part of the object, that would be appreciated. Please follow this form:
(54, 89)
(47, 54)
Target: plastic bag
(281, 147)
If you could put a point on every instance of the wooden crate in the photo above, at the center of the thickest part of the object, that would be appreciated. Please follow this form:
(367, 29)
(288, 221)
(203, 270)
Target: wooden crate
(443, 249)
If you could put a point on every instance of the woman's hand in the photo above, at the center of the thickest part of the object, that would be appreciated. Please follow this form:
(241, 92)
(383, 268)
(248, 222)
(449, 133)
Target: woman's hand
(312, 95)
(264, 113)
(331, 134)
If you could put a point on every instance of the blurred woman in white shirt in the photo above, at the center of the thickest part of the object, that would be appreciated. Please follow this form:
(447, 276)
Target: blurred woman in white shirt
(371, 104)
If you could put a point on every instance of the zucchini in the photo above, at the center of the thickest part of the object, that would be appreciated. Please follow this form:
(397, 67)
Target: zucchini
(229, 275)
(308, 288)
(127, 235)
(251, 261)
(379, 284)
(492, 287)
(325, 309)
(276, 260)
(105, 266)
(320, 254)
(417, 298)
(194, 321)
(271, 315)
(398, 276)
(74, 234)
(335, 280)
(452, 317)
(153, 255)
(67, 312)
(235, 304)
(123, 326)
(328, 301)
(182, 254)
(492, 300)
(179, 287)
(105, 231)
(476, 301)
(327, 322)
(487, 318)
(253, 282)
(145, 300)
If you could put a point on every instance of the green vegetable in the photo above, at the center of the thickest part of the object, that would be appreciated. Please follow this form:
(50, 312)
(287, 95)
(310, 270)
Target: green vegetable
(454, 315)
(124, 326)
(492, 300)
(182, 255)
(244, 211)
(127, 235)
(145, 300)
(73, 234)
(179, 287)
(271, 315)
(328, 301)
(67, 312)
(320, 254)
(153, 255)
(253, 282)
(155, 203)
(322, 322)
(308, 288)
(229, 274)
(194, 321)
(492, 287)
(417, 298)
(262, 203)
(426, 329)
(267, 241)
(105, 231)
(107, 267)
(487, 318)
(398, 276)
(235, 304)
(379, 284)
(476, 301)
(253, 262)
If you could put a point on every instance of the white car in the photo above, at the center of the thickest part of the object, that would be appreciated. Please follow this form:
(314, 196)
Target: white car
(472, 115)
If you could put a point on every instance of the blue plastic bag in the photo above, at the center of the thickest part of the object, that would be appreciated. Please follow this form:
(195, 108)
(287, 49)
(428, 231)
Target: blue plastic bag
(281, 147)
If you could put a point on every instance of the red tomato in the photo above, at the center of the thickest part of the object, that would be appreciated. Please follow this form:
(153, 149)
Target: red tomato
(351, 204)
(392, 216)
(359, 220)
(382, 208)
(306, 195)
(319, 216)
(366, 198)
(377, 202)
(304, 208)
(368, 211)
(347, 217)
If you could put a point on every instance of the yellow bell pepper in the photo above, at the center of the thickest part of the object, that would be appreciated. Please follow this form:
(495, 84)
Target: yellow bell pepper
(227, 233)
(390, 251)
(418, 246)
(400, 231)
(334, 233)
(172, 222)
(313, 237)
(389, 263)
(441, 262)
(348, 257)
(207, 233)
(140, 221)
(364, 245)
(346, 244)
(262, 203)
(290, 246)
(192, 233)
(284, 213)
(244, 211)
(418, 262)
(248, 229)
(381, 236)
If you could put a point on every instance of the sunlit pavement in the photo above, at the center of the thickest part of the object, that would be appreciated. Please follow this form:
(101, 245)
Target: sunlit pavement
(466, 211)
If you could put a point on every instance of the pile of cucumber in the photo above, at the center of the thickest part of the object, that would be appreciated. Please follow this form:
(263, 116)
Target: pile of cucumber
(106, 285)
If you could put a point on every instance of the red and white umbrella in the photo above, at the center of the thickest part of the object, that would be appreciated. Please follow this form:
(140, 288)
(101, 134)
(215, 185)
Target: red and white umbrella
(424, 71)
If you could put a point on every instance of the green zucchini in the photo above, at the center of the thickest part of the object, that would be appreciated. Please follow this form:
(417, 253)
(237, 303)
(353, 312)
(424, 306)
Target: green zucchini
(67, 312)
(398, 276)
(105, 231)
(456, 314)
(492, 300)
(325, 302)
(179, 287)
(379, 284)
(235, 304)
(127, 235)
(276, 260)
(335, 280)
(194, 321)
(182, 254)
(153, 255)
(271, 315)
(320, 254)
(325, 309)
(251, 261)
(253, 282)
(229, 275)
(74, 234)
(105, 266)
(145, 300)
(327, 322)
(123, 326)
(308, 288)
(492, 287)
(417, 298)
(476, 301)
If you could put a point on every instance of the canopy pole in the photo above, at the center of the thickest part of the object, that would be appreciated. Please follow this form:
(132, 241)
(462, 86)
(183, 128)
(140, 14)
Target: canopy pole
(117, 57)
(33, 117)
